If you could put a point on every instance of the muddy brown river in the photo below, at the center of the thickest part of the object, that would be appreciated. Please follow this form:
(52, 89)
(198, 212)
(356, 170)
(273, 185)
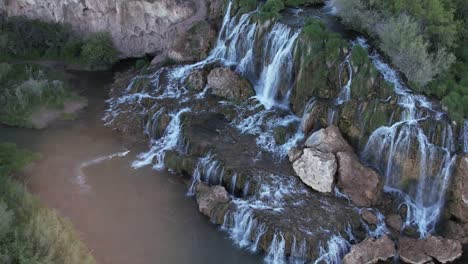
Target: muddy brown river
(123, 215)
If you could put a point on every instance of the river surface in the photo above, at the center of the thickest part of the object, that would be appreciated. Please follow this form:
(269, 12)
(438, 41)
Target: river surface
(123, 215)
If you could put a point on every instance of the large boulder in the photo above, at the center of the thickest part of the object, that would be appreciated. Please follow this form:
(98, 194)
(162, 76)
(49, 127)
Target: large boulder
(458, 203)
(196, 80)
(371, 250)
(226, 83)
(208, 198)
(328, 140)
(361, 184)
(423, 251)
(316, 169)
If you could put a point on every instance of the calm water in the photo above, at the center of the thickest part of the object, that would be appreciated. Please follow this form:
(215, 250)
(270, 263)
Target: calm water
(123, 215)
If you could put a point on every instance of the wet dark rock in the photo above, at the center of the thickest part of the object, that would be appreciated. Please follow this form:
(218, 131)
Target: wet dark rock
(458, 202)
(179, 163)
(369, 217)
(423, 251)
(371, 250)
(328, 140)
(208, 198)
(361, 184)
(394, 222)
(227, 84)
(196, 80)
(316, 169)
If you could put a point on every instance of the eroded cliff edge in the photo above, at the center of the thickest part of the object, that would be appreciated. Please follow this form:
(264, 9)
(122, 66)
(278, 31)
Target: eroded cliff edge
(138, 27)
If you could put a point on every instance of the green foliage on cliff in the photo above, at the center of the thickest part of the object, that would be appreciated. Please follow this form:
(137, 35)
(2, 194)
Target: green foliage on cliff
(425, 39)
(98, 51)
(21, 38)
(25, 89)
(29, 232)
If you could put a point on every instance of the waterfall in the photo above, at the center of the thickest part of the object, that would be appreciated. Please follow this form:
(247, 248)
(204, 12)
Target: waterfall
(277, 64)
(345, 93)
(169, 141)
(423, 188)
(276, 252)
(298, 252)
(336, 248)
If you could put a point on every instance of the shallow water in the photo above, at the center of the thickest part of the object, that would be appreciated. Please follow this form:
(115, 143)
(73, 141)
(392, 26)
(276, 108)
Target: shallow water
(123, 215)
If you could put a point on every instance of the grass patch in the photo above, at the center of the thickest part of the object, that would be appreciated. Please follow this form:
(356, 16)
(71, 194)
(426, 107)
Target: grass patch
(29, 232)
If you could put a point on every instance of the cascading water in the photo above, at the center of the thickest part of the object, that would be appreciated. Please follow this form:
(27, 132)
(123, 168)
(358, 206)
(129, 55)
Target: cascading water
(389, 147)
(169, 141)
(271, 72)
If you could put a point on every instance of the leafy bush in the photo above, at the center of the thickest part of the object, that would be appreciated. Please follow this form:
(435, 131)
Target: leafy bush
(25, 89)
(35, 39)
(400, 39)
(98, 51)
(29, 232)
(12, 159)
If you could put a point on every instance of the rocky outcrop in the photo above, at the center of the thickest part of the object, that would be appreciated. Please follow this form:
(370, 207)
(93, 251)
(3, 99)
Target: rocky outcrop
(457, 227)
(316, 169)
(195, 44)
(370, 251)
(137, 27)
(196, 80)
(227, 84)
(369, 217)
(208, 198)
(423, 251)
(361, 184)
(328, 140)
(394, 222)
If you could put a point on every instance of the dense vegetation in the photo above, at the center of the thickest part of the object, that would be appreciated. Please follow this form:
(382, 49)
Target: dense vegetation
(29, 232)
(21, 38)
(425, 39)
(27, 87)
(271, 8)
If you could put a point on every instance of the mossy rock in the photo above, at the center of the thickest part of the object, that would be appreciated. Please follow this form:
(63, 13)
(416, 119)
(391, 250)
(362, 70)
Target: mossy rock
(178, 163)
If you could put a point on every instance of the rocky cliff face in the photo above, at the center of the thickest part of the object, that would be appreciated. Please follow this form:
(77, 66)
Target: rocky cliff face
(138, 27)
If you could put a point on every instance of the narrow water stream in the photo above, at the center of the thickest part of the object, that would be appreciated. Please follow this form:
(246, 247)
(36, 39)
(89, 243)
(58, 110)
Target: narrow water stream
(122, 214)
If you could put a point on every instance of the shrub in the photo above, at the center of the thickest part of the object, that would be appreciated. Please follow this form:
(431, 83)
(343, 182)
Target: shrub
(27, 88)
(98, 51)
(273, 6)
(400, 39)
(29, 232)
(6, 219)
(12, 159)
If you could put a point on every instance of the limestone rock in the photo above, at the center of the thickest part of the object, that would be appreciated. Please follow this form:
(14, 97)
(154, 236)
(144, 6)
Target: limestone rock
(371, 251)
(210, 197)
(458, 202)
(195, 45)
(316, 169)
(226, 83)
(369, 217)
(422, 251)
(328, 140)
(361, 184)
(394, 222)
(196, 80)
(294, 154)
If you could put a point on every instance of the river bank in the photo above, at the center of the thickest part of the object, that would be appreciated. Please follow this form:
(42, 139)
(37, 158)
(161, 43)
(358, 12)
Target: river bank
(123, 215)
